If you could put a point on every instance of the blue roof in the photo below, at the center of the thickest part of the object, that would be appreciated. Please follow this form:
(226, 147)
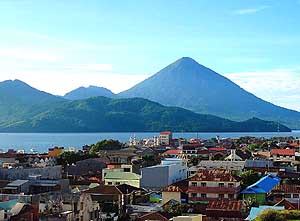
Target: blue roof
(264, 185)
(255, 211)
(8, 205)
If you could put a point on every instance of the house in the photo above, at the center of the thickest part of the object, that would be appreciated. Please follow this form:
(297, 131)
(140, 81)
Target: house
(171, 170)
(209, 185)
(225, 210)
(17, 186)
(117, 178)
(176, 191)
(260, 166)
(24, 211)
(258, 191)
(106, 200)
(92, 166)
(285, 191)
(172, 153)
(283, 154)
(122, 156)
(165, 138)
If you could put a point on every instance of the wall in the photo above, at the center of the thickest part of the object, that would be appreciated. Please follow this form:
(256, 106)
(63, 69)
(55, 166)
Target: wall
(53, 172)
(167, 196)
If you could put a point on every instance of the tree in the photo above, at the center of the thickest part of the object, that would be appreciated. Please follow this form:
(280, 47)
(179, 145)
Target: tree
(106, 145)
(176, 209)
(248, 178)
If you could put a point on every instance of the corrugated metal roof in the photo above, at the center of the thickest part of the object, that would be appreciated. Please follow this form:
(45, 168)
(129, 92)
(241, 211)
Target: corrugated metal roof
(264, 185)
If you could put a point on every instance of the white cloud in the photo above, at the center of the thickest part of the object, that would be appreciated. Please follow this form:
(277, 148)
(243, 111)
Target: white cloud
(59, 82)
(253, 10)
(280, 86)
(29, 54)
(89, 67)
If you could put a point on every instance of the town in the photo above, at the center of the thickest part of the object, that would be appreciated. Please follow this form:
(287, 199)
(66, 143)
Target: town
(159, 178)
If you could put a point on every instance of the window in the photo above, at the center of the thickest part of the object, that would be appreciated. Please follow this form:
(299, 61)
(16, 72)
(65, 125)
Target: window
(194, 184)
(117, 183)
(194, 195)
(203, 195)
(287, 195)
(81, 206)
(109, 183)
(126, 169)
(295, 195)
(231, 185)
(203, 184)
(91, 215)
(221, 196)
(221, 184)
(230, 196)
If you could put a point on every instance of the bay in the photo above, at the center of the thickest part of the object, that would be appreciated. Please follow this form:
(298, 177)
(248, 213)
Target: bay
(41, 142)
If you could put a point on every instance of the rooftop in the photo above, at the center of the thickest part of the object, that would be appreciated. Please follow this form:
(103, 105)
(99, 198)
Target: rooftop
(214, 175)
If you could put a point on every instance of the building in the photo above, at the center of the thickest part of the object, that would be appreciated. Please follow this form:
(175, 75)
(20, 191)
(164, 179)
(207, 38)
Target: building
(220, 164)
(171, 170)
(258, 191)
(55, 151)
(176, 191)
(209, 185)
(118, 178)
(283, 154)
(285, 191)
(165, 138)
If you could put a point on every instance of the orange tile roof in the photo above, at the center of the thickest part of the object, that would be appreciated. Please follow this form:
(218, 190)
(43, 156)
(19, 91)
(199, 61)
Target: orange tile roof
(283, 152)
(173, 151)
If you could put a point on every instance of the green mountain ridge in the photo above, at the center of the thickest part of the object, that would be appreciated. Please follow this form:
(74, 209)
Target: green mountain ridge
(102, 114)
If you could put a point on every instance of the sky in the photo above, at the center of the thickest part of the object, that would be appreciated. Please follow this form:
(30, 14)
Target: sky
(57, 46)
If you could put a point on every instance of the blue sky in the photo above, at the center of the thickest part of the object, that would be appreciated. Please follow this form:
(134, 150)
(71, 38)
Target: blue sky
(59, 45)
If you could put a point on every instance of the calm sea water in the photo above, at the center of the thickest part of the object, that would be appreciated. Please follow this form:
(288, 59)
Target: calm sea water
(42, 141)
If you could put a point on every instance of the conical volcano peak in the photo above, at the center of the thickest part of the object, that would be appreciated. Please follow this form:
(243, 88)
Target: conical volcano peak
(186, 61)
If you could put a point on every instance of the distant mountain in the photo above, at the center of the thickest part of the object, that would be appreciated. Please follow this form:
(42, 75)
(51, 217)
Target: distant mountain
(101, 114)
(18, 100)
(88, 92)
(187, 84)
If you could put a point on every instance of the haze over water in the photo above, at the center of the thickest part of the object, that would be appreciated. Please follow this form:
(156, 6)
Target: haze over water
(42, 141)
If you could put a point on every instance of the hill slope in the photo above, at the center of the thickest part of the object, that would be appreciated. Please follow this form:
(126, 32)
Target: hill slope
(88, 92)
(101, 114)
(187, 84)
(18, 100)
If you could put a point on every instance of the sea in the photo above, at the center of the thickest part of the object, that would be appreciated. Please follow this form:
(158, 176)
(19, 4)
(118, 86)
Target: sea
(41, 142)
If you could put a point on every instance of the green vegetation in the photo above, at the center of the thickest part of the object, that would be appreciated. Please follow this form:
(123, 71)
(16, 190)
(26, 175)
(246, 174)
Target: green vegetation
(248, 178)
(25, 109)
(278, 215)
(70, 157)
(106, 145)
(176, 209)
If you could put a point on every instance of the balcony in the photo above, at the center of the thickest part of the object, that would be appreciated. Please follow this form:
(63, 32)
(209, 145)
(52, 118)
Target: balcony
(217, 190)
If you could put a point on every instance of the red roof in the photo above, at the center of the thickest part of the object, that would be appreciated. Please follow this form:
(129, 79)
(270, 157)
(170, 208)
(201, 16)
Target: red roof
(217, 149)
(173, 151)
(225, 205)
(286, 188)
(166, 132)
(283, 152)
(181, 186)
(214, 175)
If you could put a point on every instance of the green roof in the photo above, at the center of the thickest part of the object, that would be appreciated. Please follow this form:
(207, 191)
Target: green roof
(116, 175)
